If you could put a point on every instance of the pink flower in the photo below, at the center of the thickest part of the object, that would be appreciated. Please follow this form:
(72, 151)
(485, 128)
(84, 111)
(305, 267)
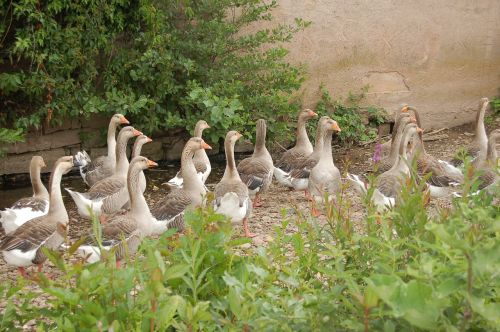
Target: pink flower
(376, 155)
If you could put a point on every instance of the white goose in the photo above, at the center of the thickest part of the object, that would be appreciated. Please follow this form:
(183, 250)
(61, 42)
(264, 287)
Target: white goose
(29, 207)
(231, 194)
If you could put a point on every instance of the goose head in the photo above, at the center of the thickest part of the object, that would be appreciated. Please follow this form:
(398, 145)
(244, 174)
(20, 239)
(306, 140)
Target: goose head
(307, 114)
(142, 163)
(196, 143)
(119, 119)
(129, 132)
(66, 163)
(232, 136)
(37, 162)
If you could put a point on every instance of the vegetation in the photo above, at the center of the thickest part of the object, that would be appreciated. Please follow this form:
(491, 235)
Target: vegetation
(163, 63)
(350, 116)
(401, 270)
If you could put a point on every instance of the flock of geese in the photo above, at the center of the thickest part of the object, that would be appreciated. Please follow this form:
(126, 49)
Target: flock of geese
(116, 186)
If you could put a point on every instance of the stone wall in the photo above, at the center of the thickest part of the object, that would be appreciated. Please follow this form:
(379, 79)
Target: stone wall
(439, 56)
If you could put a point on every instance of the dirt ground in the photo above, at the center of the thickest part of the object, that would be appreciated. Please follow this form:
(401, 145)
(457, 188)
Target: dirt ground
(265, 218)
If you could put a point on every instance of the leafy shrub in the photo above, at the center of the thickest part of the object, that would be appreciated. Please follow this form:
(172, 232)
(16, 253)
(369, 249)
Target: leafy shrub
(163, 63)
(350, 116)
(405, 271)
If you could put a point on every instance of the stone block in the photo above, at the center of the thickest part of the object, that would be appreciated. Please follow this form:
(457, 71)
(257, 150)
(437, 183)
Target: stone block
(96, 121)
(97, 152)
(243, 146)
(93, 138)
(19, 163)
(153, 150)
(174, 151)
(65, 125)
(384, 129)
(37, 142)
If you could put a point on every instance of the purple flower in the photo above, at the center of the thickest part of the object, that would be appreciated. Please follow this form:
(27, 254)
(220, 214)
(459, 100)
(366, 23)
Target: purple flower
(377, 152)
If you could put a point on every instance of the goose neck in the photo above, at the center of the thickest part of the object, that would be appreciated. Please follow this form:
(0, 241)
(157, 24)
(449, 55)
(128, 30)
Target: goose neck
(111, 140)
(302, 138)
(192, 182)
(56, 205)
(39, 190)
(260, 140)
(326, 152)
(230, 171)
(481, 136)
(121, 155)
(138, 205)
(491, 154)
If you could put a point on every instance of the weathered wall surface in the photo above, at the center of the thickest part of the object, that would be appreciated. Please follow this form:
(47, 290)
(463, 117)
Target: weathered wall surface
(439, 56)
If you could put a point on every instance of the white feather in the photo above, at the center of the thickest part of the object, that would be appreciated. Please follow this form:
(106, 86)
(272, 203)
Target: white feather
(16, 257)
(282, 177)
(230, 207)
(451, 169)
(83, 204)
(13, 218)
(299, 184)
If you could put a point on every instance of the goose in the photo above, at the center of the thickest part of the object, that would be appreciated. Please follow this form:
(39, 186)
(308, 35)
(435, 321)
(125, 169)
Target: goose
(302, 149)
(478, 147)
(170, 211)
(110, 194)
(443, 175)
(325, 176)
(489, 167)
(385, 149)
(301, 167)
(200, 160)
(29, 207)
(384, 164)
(131, 226)
(257, 171)
(23, 246)
(231, 194)
(388, 184)
(136, 152)
(104, 166)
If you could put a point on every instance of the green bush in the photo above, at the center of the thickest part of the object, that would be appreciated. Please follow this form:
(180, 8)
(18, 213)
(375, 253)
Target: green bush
(163, 63)
(401, 270)
(349, 116)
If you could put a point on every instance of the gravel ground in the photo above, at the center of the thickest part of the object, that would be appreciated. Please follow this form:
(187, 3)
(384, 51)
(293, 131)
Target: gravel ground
(277, 199)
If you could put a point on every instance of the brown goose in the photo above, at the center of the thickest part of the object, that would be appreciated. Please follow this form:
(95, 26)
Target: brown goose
(302, 149)
(388, 184)
(131, 226)
(23, 246)
(443, 175)
(104, 166)
(170, 210)
(301, 167)
(325, 176)
(386, 147)
(136, 152)
(231, 194)
(478, 147)
(110, 194)
(489, 167)
(29, 207)
(200, 160)
(386, 163)
(257, 171)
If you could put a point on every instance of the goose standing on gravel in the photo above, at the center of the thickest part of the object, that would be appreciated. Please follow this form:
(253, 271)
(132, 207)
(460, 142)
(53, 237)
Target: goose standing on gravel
(325, 176)
(443, 175)
(131, 226)
(231, 194)
(200, 160)
(478, 147)
(110, 194)
(104, 166)
(257, 171)
(170, 211)
(489, 167)
(388, 185)
(302, 149)
(301, 167)
(29, 207)
(23, 247)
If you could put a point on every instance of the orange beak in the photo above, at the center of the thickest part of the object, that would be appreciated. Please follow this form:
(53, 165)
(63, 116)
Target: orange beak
(137, 132)
(336, 127)
(148, 140)
(152, 164)
(124, 120)
(206, 146)
(419, 130)
(311, 113)
(404, 109)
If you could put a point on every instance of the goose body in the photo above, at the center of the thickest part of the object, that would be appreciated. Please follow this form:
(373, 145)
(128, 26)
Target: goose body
(257, 171)
(102, 167)
(200, 160)
(131, 226)
(169, 212)
(232, 197)
(325, 176)
(388, 184)
(110, 194)
(302, 149)
(29, 207)
(22, 247)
